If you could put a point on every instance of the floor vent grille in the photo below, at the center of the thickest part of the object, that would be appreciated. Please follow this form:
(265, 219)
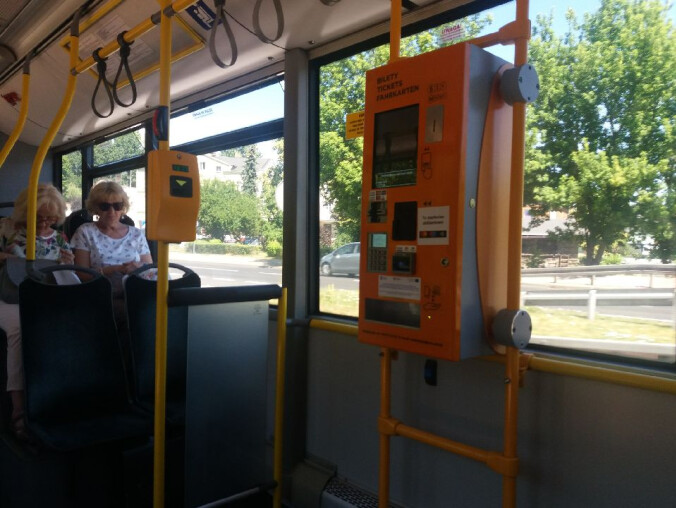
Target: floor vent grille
(350, 494)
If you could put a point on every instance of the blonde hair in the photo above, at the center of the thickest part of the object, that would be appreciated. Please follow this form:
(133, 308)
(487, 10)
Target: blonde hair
(103, 190)
(49, 198)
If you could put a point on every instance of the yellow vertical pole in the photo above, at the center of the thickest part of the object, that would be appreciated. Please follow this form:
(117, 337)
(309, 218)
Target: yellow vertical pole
(279, 399)
(395, 30)
(23, 113)
(49, 137)
(386, 353)
(385, 410)
(162, 281)
(514, 264)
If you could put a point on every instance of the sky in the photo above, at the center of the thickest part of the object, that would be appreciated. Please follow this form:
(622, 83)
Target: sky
(507, 12)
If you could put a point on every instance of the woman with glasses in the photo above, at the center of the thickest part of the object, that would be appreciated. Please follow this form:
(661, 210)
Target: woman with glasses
(107, 245)
(49, 244)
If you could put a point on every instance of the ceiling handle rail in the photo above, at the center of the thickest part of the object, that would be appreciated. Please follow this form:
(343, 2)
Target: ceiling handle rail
(23, 111)
(257, 24)
(133, 33)
(222, 19)
(41, 153)
(101, 69)
(125, 51)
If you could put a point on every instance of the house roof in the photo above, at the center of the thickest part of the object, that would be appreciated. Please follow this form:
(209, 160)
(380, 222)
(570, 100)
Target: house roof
(543, 229)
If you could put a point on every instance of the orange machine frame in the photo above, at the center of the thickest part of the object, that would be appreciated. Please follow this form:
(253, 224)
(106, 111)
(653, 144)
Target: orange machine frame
(434, 222)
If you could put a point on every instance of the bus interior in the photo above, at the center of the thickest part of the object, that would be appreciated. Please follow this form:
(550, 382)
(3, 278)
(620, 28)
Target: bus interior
(382, 286)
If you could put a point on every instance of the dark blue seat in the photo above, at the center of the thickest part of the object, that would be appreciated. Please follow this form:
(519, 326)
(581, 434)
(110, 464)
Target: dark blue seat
(76, 385)
(140, 299)
(79, 217)
(5, 404)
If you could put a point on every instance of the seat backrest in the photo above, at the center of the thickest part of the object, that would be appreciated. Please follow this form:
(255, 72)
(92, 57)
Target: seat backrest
(125, 219)
(73, 363)
(75, 220)
(140, 297)
(79, 217)
(5, 404)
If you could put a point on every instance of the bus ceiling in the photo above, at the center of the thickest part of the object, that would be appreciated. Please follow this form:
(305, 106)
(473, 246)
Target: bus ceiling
(254, 44)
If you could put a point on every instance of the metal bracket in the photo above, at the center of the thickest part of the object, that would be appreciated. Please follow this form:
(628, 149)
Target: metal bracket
(512, 328)
(520, 84)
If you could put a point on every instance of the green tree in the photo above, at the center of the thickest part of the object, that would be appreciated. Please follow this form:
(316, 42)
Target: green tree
(603, 221)
(226, 210)
(119, 148)
(249, 175)
(273, 216)
(71, 179)
(231, 152)
(607, 85)
(342, 85)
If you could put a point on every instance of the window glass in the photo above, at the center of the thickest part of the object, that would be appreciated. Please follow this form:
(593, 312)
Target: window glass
(342, 92)
(229, 115)
(120, 148)
(599, 240)
(71, 180)
(239, 228)
(600, 193)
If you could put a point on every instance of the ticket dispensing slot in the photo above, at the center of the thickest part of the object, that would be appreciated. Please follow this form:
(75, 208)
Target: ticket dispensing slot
(423, 148)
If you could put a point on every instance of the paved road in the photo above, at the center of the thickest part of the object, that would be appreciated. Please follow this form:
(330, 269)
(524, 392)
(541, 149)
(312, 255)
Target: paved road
(243, 271)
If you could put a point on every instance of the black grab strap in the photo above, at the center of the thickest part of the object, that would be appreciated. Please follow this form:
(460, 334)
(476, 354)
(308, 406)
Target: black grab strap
(125, 51)
(101, 69)
(221, 19)
(257, 24)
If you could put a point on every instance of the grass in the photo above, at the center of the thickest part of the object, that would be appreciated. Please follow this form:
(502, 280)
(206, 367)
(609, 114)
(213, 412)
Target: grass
(339, 301)
(565, 323)
(547, 322)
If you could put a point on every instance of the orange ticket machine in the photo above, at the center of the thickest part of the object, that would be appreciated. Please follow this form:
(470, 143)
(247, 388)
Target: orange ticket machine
(437, 147)
(173, 196)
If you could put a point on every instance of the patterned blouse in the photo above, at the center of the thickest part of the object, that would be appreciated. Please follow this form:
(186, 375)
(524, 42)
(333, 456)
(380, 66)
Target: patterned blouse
(13, 241)
(104, 250)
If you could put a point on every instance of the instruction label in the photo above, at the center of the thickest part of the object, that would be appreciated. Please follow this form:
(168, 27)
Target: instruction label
(399, 287)
(433, 225)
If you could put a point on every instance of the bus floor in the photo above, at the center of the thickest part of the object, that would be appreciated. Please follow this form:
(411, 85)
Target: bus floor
(108, 476)
(111, 476)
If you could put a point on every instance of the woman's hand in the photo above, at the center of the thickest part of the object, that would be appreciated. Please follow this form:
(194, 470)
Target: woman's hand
(67, 257)
(130, 266)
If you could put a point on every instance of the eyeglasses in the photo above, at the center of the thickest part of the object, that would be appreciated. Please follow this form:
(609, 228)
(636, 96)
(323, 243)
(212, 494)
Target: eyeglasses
(104, 207)
(49, 219)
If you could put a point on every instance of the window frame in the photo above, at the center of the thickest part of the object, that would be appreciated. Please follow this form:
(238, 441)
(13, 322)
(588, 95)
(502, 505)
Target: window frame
(313, 289)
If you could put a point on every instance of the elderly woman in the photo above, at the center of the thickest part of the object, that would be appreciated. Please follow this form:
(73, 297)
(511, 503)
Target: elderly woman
(49, 244)
(107, 245)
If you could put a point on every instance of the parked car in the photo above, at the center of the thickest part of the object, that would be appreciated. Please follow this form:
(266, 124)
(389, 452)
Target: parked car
(344, 259)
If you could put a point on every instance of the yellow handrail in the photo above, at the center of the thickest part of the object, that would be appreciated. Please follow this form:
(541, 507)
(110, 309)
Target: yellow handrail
(543, 364)
(23, 113)
(47, 142)
(133, 33)
(162, 279)
(279, 399)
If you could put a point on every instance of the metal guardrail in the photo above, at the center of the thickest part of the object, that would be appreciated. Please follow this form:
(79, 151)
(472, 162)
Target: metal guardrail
(592, 296)
(651, 270)
(585, 271)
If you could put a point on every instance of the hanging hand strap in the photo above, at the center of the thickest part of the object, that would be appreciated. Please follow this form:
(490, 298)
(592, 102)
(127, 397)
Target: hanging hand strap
(257, 17)
(125, 51)
(221, 18)
(101, 69)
